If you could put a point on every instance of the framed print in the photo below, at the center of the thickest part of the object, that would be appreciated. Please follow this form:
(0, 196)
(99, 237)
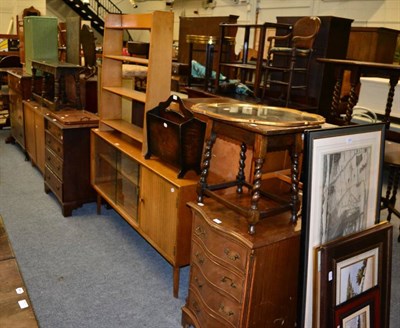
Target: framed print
(363, 311)
(353, 265)
(356, 275)
(341, 194)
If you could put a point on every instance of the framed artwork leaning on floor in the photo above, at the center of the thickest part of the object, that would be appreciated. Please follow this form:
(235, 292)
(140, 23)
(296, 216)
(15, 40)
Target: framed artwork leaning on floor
(352, 266)
(341, 194)
(363, 311)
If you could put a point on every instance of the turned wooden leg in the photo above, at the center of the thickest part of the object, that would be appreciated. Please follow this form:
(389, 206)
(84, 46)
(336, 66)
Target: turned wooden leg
(336, 95)
(176, 273)
(202, 185)
(254, 213)
(240, 178)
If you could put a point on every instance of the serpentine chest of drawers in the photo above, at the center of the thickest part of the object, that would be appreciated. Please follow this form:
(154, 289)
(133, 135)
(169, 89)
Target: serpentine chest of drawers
(237, 279)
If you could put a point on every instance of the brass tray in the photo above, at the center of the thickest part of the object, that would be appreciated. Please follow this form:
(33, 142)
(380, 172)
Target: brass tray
(258, 114)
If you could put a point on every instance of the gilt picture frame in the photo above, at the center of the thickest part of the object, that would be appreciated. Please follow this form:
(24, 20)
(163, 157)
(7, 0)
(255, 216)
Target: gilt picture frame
(341, 195)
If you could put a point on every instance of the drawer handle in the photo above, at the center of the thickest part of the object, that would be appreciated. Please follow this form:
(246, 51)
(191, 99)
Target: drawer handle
(222, 310)
(200, 259)
(231, 255)
(200, 232)
(198, 283)
(226, 279)
(196, 307)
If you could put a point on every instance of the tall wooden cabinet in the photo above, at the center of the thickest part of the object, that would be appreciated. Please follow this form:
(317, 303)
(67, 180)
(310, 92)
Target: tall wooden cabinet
(146, 193)
(237, 279)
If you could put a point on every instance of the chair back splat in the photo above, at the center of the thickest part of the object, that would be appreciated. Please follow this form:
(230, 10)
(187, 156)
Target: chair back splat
(288, 61)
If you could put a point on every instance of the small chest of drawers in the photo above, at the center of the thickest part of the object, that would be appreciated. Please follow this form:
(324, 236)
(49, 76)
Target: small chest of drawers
(67, 158)
(237, 279)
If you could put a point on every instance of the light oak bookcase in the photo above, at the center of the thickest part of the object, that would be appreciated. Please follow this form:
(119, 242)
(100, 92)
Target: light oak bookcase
(145, 192)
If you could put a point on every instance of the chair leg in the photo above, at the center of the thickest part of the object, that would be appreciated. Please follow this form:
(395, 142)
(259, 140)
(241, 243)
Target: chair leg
(389, 201)
(266, 76)
(289, 85)
(395, 172)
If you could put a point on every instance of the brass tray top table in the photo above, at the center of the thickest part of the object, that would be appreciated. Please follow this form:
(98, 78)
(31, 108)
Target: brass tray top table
(264, 129)
(56, 99)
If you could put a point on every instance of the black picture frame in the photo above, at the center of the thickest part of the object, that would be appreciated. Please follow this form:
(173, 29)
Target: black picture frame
(341, 195)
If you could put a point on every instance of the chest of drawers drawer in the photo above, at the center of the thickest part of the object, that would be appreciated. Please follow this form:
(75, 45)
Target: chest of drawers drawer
(206, 317)
(208, 269)
(55, 144)
(56, 131)
(225, 249)
(14, 82)
(55, 184)
(54, 162)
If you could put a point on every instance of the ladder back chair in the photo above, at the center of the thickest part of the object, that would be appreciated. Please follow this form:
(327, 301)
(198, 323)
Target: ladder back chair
(290, 55)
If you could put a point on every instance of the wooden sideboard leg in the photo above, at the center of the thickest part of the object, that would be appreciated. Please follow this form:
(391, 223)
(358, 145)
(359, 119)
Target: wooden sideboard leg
(176, 273)
(98, 204)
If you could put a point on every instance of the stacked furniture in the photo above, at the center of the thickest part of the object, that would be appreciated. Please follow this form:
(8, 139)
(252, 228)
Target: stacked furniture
(146, 193)
(46, 115)
(40, 39)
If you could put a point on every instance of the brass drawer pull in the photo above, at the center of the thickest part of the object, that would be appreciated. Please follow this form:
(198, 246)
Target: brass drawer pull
(200, 232)
(196, 307)
(222, 310)
(231, 255)
(226, 279)
(197, 281)
(200, 259)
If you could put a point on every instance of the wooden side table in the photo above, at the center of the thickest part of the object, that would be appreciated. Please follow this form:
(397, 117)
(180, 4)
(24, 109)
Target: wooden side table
(264, 129)
(358, 69)
(55, 96)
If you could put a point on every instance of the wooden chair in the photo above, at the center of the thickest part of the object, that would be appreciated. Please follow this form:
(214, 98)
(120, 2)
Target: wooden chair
(290, 55)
